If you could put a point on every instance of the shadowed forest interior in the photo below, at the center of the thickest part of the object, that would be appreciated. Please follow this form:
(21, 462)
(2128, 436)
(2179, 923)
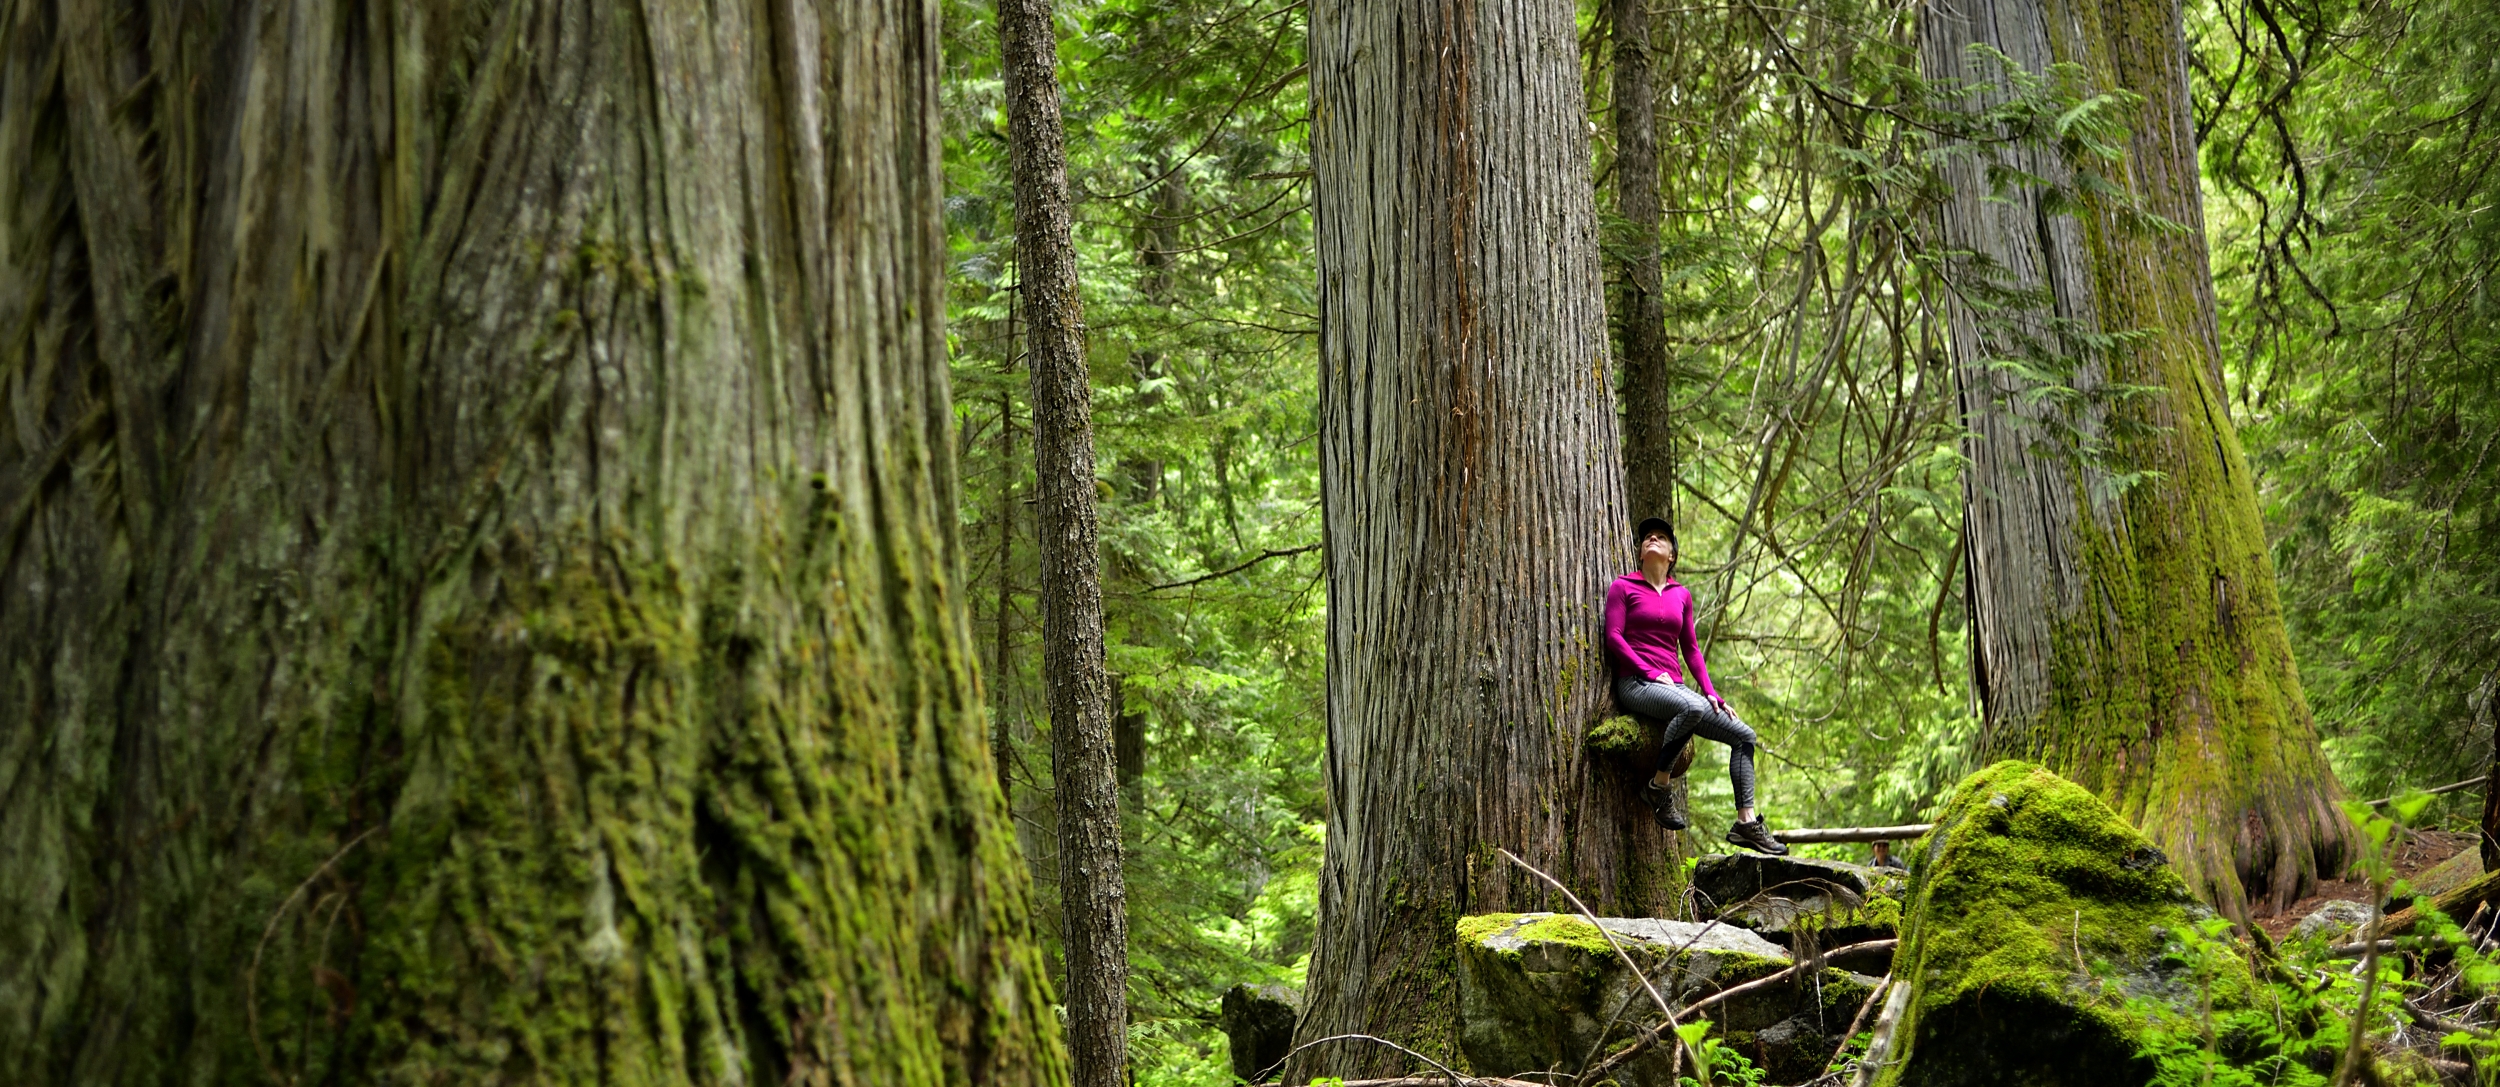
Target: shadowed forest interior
(1067, 541)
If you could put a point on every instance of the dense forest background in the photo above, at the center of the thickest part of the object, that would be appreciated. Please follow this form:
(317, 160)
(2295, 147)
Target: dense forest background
(2349, 158)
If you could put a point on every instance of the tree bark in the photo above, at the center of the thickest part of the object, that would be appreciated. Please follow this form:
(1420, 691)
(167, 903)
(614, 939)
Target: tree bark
(2127, 633)
(1640, 306)
(1076, 685)
(478, 594)
(1472, 502)
(2490, 845)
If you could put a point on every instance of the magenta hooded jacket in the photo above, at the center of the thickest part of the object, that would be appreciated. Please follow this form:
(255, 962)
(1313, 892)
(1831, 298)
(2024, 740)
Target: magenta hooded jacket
(1649, 632)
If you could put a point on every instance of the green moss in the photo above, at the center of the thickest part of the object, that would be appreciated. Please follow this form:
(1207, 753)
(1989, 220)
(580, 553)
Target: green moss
(1478, 928)
(1619, 736)
(1568, 931)
(2036, 903)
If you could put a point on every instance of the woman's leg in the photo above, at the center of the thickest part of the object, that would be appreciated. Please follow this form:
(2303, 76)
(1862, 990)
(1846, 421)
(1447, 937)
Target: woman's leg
(1687, 714)
(1672, 705)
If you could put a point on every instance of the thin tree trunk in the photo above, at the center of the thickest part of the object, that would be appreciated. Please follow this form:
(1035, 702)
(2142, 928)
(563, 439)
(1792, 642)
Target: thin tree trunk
(1472, 502)
(1142, 476)
(1640, 306)
(2491, 800)
(1092, 898)
(1001, 751)
(2128, 636)
(478, 594)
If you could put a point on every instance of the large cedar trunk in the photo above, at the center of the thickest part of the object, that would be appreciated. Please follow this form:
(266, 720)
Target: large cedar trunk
(2127, 630)
(478, 599)
(1472, 501)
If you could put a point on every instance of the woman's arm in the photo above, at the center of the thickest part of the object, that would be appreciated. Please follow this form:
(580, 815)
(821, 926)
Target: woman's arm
(1617, 602)
(1692, 653)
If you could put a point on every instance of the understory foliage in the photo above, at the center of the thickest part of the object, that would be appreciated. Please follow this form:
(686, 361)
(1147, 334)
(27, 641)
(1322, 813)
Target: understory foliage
(2430, 1001)
(2352, 164)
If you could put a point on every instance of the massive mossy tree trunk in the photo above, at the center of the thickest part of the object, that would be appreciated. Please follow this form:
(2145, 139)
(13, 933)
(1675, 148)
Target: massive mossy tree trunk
(478, 600)
(1472, 502)
(2127, 631)
(1640, 300)
(1084, 789)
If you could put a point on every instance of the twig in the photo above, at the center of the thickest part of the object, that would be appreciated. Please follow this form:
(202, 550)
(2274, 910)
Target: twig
(2352, 1063)
(251, 977)
(1450, 1076)
(1626, 956)
(1855, 1021)
(1649, 1036)
(1427, 1081)
(1231, 570)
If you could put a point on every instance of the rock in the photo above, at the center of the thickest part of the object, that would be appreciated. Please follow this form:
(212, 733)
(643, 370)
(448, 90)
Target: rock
(2450, 874)
(2332, 918)
(1259, 1019)
(1539, 991)
(1842, 903)
(2038, 944)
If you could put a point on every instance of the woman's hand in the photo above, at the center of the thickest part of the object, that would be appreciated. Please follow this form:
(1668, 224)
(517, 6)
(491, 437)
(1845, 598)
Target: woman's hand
(1720, 704)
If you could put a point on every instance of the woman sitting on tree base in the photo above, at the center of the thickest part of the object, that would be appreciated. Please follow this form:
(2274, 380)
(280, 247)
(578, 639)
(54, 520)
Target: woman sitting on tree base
(1649, 633)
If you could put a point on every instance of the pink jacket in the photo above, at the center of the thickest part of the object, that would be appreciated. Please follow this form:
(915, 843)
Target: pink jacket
(1649, 633)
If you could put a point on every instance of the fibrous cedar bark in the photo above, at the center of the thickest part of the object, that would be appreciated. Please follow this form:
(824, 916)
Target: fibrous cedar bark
(1640, 304)
(2127, 631)
(1084, 785)
(1472, 500)
(478, 593)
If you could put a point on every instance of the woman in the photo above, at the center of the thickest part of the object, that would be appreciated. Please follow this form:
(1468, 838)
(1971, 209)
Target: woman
(1649, 635)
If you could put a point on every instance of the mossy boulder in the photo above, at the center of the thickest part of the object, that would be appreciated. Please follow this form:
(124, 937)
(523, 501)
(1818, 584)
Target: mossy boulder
(2038, 941)
(1780, 897)
(1542, 992)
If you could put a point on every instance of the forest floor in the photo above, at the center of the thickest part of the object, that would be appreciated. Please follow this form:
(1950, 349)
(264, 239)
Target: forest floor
(2420, 852)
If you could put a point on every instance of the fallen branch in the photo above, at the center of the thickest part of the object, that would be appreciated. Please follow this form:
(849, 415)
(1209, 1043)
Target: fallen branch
(2451, 787)
(2387, 947)
(1855, 1021)
(1649, 1036)
(1901, 833)
(2463, 900)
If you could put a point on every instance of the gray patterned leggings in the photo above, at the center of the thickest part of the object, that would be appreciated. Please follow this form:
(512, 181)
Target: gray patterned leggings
(1687, 714)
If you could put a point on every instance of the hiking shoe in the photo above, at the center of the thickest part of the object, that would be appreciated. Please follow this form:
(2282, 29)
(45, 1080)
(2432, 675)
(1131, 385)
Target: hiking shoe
(1665, 803)
(1755, 836)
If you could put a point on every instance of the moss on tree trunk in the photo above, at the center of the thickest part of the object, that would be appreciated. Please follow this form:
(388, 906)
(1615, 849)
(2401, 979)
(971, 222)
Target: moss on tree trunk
(2127, 631)
(478, 599)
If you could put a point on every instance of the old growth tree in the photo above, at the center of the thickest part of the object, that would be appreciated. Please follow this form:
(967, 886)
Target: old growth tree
(1473, 503)
(2127, 628)
(478, 596)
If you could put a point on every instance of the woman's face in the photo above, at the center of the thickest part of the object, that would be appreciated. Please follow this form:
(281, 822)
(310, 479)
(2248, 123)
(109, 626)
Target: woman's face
(1657, 545)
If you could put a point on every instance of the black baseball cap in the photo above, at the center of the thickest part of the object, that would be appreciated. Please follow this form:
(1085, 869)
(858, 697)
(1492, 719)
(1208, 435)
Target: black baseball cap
(1653, 524)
